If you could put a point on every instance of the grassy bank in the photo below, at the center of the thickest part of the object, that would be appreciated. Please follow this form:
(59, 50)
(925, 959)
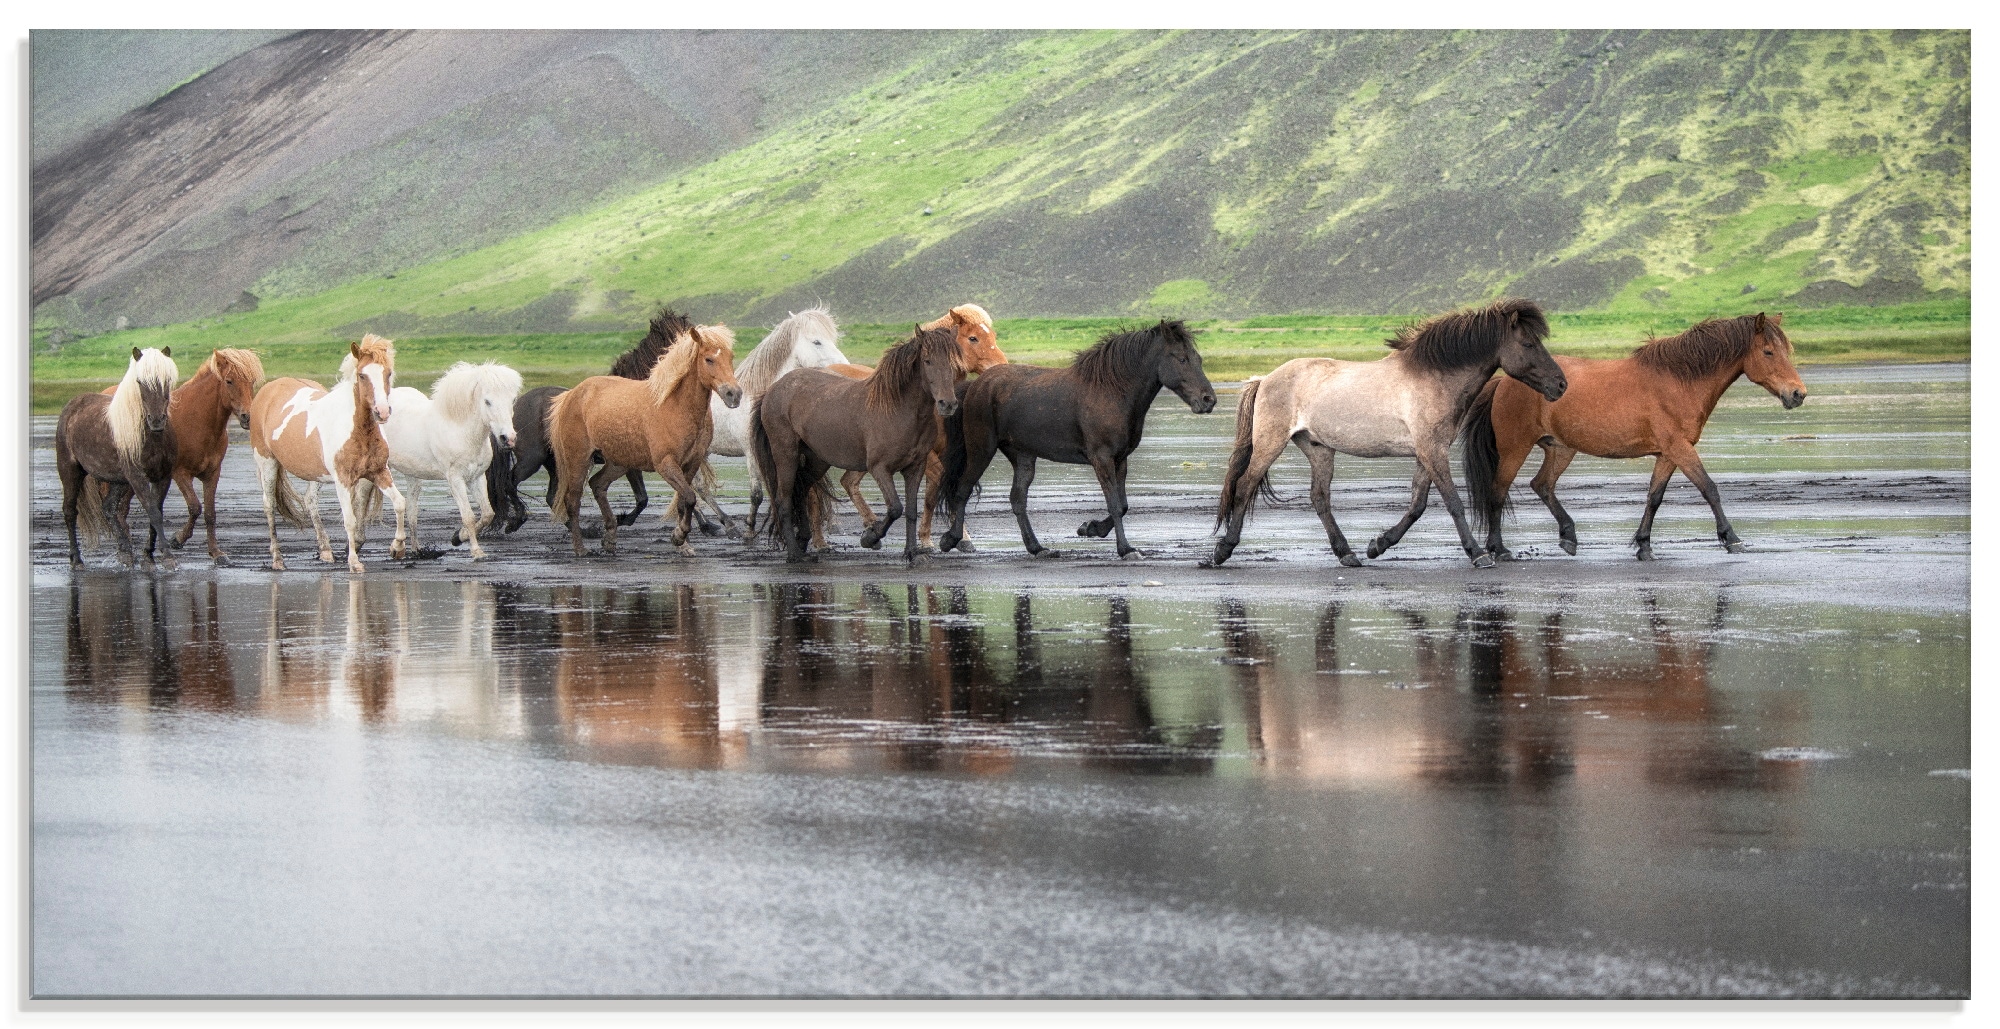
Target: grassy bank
(1232, 350)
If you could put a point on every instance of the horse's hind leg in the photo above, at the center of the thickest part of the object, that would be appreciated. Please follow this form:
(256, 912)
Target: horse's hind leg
(319, 527)
(72, 477)
(185, 480)
(1111, 479)
(468, 525)
(1683, 454)
(1663, 469)
(1321, 458)
(1264, 452)
(1017, 497)
(1555, 458)
(851, 482)
(208, 514)
(268, 471)
(406, 513)
(600, 490)
(1420, 498)
(637, 479)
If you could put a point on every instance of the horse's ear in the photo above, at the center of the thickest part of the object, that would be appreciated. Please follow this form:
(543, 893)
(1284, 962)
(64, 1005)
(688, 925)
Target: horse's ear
(135, 353)
(1778, 319)
(166, 351)
(354, 349)
(1757, 328)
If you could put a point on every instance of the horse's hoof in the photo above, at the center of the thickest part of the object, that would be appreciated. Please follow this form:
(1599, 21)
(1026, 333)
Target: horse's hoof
(685, 550)
(1350, 560)
(1045, 554)
(1569, 547)
(479, 555)
(1501, 554)
(396, 552)
(1484, 561)
(125, 559)
(918, 558)
(1737, 548)
(626, 520)
(178, 542)
(76, 562)
(965, 547)
(1375, 549)
(326, 557)
(221, 560)
(1134, 554)
(872, 542)
(356, 567)
(1645, 553)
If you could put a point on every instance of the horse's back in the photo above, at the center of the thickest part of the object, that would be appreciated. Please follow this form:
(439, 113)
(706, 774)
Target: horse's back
(83, 430)
(1612, 407)
(275, 412)
(1362, 408)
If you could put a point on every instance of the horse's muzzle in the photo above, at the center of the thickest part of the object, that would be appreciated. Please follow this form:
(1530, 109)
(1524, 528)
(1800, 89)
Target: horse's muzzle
(1205, 403)
(507, 442)
(731, 396)
(381, 412)
(1555, 390)
(243, 419)
(1792, 398)
(947, 408)
(156, 425)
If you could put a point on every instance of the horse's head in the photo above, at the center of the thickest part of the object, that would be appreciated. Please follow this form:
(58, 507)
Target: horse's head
(1180, 367)
(1522, 354)
(480, 393)
(715, 362)
(973, 329)
(815, 339)
(1769, 363)
(944, 364)
(374, 374)
(241, 372)
(154, 373)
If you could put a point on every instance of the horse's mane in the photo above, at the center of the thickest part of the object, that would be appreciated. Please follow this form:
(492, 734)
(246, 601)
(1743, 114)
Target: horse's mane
(460, 388)
(1468, 337)
(1706, 347)
(904, 362)
(667, 326)
(127, 413)
(1117, 357)
(679, 359)
(244, 361)
(970, 312)
(377, 349)
(761, 366)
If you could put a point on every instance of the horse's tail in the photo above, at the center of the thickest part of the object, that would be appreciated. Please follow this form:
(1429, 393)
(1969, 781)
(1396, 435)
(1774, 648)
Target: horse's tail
(955, 457)
(1233, 490)
(90, 510)
(499, 477)
(762, 454)
(370, 497)
(553, 435)
(286, 502)
(1482, 460)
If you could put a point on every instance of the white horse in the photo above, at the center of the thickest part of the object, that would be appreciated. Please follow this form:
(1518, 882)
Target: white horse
(807, 339)
(444, 436)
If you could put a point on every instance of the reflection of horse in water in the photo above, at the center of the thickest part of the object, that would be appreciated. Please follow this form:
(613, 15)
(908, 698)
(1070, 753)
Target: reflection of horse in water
(635, 673)
(120, 647)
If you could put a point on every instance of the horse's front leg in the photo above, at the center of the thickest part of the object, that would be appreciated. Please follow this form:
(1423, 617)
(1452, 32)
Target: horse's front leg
(1663, 469)
(319, 527)
(1111, 479)
(117, 499)
(468, 525)
(154, 496)
(185, 480)
(387, 485)
(1322, 459)
(1420, 498)
(350, 519)
(1024, 476)
(1683, 455)
(1554, 460)
(686, 496)
(851, 482)
(208, 514)
(892, 509)
(1439, 461)
(913, 480)
(415, 499)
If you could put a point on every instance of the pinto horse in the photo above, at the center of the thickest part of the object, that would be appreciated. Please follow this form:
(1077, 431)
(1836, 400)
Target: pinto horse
(660, 425)
(1651, 404)
(887, 424)
(450, 435)
(123, 441)
(1408, 404)
(298, 427)
(1093, 412)
(198, 417)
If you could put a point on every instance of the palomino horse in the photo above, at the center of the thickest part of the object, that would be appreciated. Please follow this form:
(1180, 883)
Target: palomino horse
(299, 427)
(447, 436)
(807, 339)
(887, 423)
(659, 425)
(531, 415)
(198, 419)
(981, 350)
(1408, 404)
(1093, 412)
(122, 441)
(1651, 404)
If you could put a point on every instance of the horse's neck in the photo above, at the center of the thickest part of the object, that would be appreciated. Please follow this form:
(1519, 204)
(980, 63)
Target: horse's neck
(1710, 389)
(197, 408)
(1140, 390)
(364, 408)
(688, 400)
(1463, 384)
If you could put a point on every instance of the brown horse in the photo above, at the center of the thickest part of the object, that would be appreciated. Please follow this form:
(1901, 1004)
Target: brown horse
(198, 419)
(1651, 404)
(298, 427)
(887, 423)
(121, 440)
(981, 349)
(659, 425)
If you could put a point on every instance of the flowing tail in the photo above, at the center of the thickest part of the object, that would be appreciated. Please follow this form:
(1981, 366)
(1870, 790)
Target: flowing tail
(1233, 490)
(286, 502)
(558, 494)
(1482, 460)
(955, 458)
(500, 489)
(90, 511)
(371, 502)
(778, 522)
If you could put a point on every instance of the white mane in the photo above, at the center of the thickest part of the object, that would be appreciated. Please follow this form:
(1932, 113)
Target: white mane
(127, 413)
(762, 366)
(460, 389)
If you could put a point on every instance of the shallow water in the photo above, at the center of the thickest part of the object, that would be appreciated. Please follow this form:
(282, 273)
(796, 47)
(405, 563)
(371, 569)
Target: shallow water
(1716, 775)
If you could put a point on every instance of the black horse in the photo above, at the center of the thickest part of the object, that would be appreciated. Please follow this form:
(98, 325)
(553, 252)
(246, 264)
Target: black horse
(1093, 412)
(531, 440)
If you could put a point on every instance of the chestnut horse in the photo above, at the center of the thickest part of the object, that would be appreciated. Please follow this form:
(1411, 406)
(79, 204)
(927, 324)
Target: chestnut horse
(198, 418)
(887, 424)
(122, 441)
(1651, 404)
(659, 425)
(1408, 404)
(298, 427)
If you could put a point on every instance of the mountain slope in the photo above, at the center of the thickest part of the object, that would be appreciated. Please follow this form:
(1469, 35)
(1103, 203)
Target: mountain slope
(1238, 173)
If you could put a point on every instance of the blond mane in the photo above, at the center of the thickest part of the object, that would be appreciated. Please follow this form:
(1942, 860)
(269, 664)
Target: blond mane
(969, 312)
(381, 351)
(674, 365)
(127, 412)
(244, 361)
(459, 390)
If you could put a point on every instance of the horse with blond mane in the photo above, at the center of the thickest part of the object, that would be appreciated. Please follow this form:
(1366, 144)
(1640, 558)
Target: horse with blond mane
(122, 441)
(660, 425)
(299, 427)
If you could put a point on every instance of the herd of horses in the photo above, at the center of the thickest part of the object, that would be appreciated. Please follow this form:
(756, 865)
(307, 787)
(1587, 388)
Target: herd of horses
(932, 412)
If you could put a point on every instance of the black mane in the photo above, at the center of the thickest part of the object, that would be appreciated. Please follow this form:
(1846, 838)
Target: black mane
(1120, 357)
(1705, 348)
(1464, 338)
(904, 363)
(637, 363)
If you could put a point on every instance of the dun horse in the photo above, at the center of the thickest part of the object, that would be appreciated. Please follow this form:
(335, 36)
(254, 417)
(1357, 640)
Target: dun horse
(660, 425)
(124, 442)
(1651, 404)
(299, 427)
(198, 419)
(448, 435)
(1093, 412)
(886, 424)
(1408, 404)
